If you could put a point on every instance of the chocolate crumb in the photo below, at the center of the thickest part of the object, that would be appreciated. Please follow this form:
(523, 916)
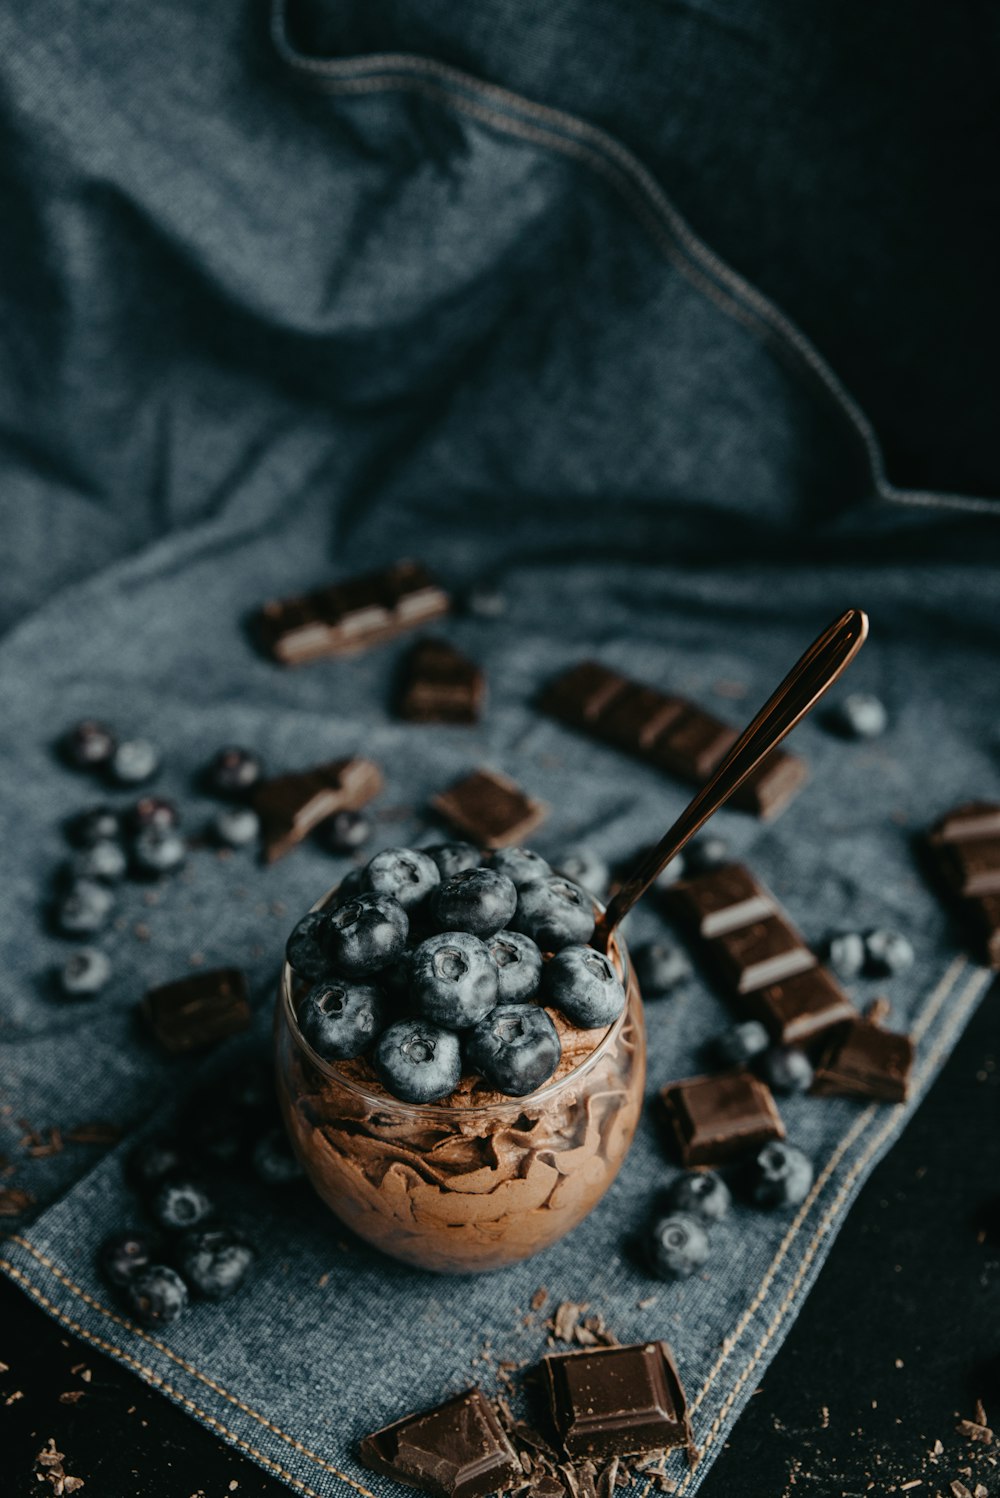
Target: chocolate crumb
(13, 1398)
(539, 1298)
(71, 1396)
(563, 1322)
(975, 1431)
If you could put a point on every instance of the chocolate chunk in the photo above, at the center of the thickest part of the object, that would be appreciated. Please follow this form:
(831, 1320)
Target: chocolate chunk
(667, 732)
(799, 1008)
(718, 1119)
(441, 685)
(763, 952)
(457, 1450)
(964, 850)
(721, 900)
(862, 1060)
(196, 1012)
(290, 806)
(490, 809)
(613, 1401)
(350, 616)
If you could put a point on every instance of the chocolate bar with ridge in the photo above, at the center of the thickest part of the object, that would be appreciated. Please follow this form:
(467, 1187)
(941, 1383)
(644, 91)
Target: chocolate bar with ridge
(458, 1450)
(715, 1120)
(617, 1401)
(441, 685)
(290, 806)
(666, 732)
(964, 847)
(346, 617)
(490, 809)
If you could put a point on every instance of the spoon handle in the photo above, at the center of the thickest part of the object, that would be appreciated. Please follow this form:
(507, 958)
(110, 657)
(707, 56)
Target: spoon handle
(801, 689)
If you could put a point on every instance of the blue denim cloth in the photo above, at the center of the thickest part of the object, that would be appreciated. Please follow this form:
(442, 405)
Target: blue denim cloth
(273, 318)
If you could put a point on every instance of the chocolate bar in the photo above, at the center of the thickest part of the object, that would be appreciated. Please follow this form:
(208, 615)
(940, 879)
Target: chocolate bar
(862, 1060)
(763, 961)
(290, 806)
(458, 1450)
(617, 1401)
(964, 847)
(198, 1011)
(441, 685)
(718, 1119)
(490, 809)
(666, 732)
(349, 616)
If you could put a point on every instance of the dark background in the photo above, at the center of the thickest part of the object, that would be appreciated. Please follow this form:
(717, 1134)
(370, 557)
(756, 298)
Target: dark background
(895, 1344)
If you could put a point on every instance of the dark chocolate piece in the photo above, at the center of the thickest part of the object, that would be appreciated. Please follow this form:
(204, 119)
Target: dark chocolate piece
(666, 732)
(763, 952)
(458, 1450)
(721, 900)
(352, 615)
(964, 848)
(799, 1008)
(290, 806)
(718, 1119)
(196, 1012)
(441, 685)
(862, 1060)
(617, 1401)
(490, 809)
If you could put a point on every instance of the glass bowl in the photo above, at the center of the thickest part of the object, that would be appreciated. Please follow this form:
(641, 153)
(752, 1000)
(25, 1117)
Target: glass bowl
(465, 1185)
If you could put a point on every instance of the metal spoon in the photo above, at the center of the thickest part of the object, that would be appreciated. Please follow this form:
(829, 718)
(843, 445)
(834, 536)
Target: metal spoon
(828, 655)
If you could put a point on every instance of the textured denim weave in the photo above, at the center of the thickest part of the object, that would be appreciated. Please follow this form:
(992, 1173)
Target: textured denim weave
(289, 319)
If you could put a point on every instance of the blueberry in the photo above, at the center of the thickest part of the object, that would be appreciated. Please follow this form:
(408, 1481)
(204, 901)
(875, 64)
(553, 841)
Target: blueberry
(308, 949)
(344, 832)
(554, 912)
(273, 1160)
(454, 858)
(453, 979)
(887, 953)
(584, 985)
(340, 1019)
(134, 761)
(214, 1261)
(156, 851)
(236, 826)
(99, 824)
(106, 861)
(404, 873)
(515, 1048)
(477, 900)
(740, 1043)
(153, 1160)
(677, 1246)
(519, 966)
(701, 1194)
(85, 909)
(670, 873)
(485, 603)
(418, 1061)
(157, 1295)
(352, 884)
(85, 973)
(180, 1203)
(521, 865)
(705, 853)
(786, 1069)
(860, 716)
(88, 745)
(845, 954)
(125, 1253)
(152, 811)
(367, 933)
(586, 868)
(232, 773)
(660, 966)
(780, 1176)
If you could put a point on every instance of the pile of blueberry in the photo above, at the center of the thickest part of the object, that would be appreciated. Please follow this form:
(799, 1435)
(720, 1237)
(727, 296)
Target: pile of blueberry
(677, 1242)
(189, 1250)
(142, 840)
(434, 963)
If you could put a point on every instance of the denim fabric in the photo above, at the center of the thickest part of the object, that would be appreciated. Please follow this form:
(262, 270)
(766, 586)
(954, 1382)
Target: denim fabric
(274, 318)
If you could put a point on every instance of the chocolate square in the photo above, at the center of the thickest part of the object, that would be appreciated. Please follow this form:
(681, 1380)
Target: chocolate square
(637, 716)
(718, 1119)
(693, 745)
(799, 1008)
(772, 785)
(721, 900)
(766, 951)
(984, 921)
(197, 1011)
(290, 806)
(973, 866)
(458, 1450)
(864, 1061)
(617, 1401)
(490, 809)
(972, 820)
(441, 685)
(582, 693)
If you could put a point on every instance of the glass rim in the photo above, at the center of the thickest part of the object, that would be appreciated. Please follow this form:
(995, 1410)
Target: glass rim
(385, 1101)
